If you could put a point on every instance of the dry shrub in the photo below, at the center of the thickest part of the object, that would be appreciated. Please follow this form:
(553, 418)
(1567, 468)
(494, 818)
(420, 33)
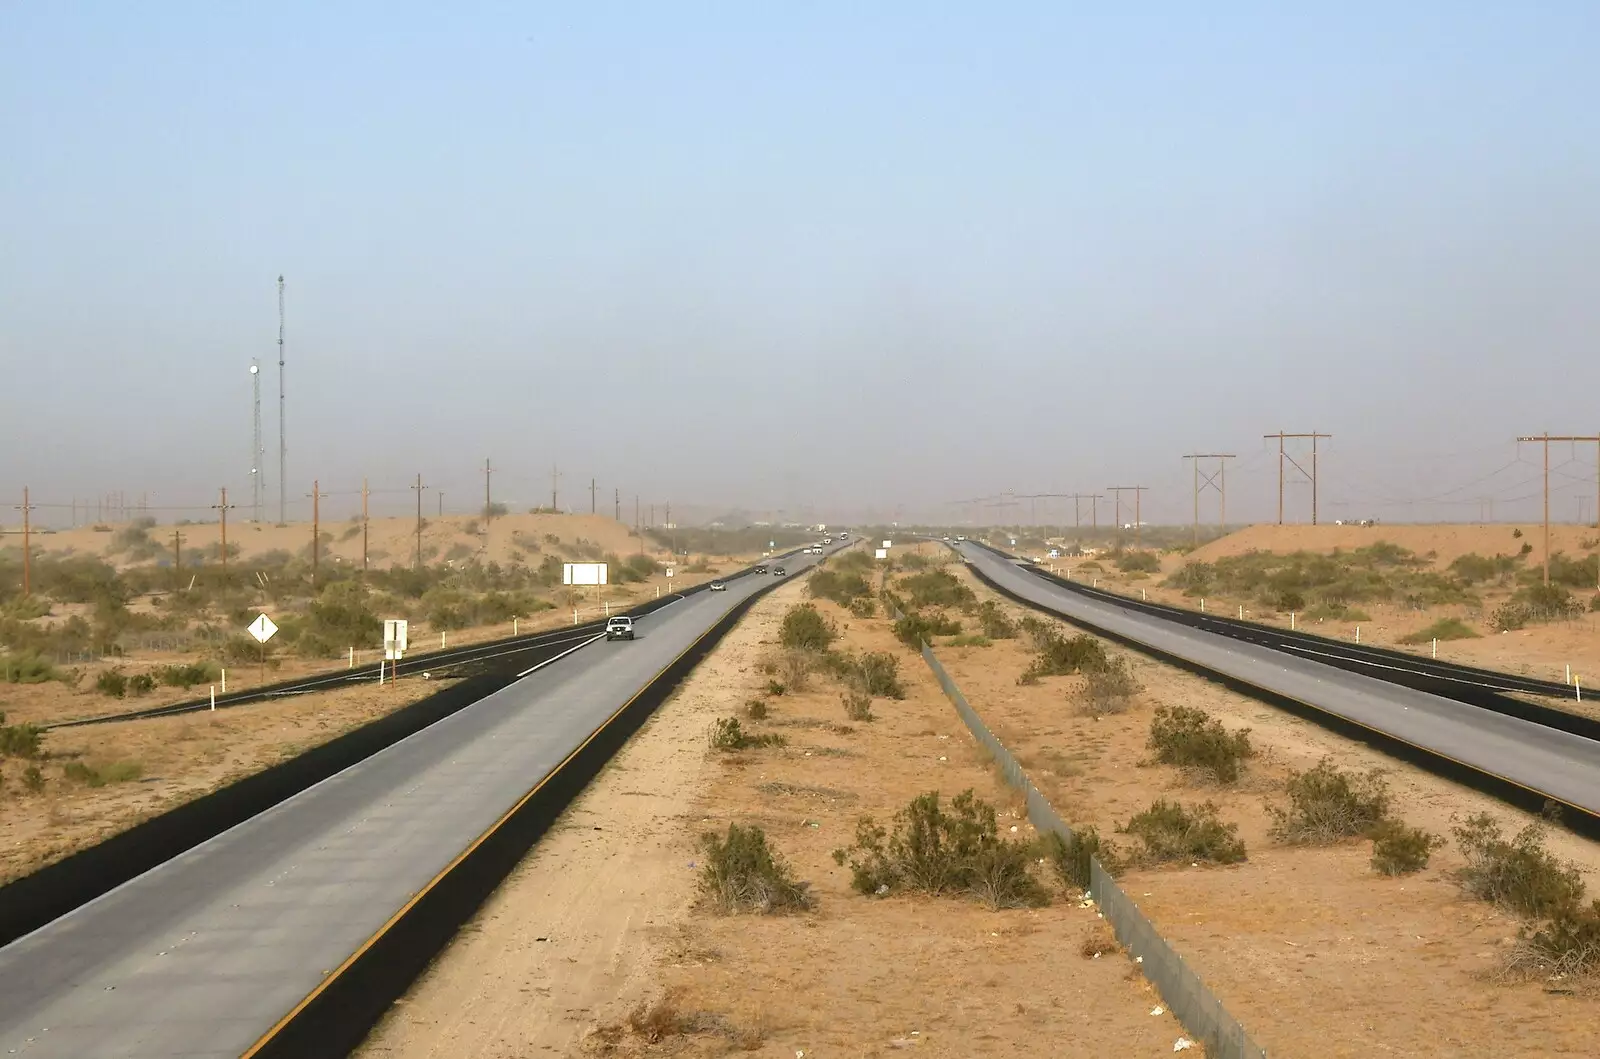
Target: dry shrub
(657, 1020)
(743, 874)
(728, 735)
(1098, 940)
(1327, 805)
(1168, 833)
(1192, 738)
(1398, 849)
(1110, 690)
(1565, 947)
(1070, 856)
(857, 707)
(756, 709)
(943, 853)
(1518, 874)
(795, 668)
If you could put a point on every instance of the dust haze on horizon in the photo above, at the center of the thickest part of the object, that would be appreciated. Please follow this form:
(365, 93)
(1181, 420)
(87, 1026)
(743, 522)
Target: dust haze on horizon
(851, 265)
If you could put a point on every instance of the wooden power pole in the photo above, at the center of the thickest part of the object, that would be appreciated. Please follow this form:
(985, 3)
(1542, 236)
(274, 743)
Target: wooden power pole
(1212, 481)
(1284, 457)
(1138, 494)
(419, 487)
(223, 507)
(592, 506)
(363, 527)
(1546, 439)
(27, 544)
(316, 529)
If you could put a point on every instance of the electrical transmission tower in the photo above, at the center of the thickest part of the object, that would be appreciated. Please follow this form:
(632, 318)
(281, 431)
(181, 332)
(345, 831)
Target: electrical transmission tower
(1217, 481)
(1138, 521)
(1546, 439)
(1283, 457)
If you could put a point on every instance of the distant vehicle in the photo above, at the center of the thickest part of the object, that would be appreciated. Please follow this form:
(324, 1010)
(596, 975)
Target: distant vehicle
(947, 540)
(958, 538)
(718, 586)
(761, 569)
(844, 537)
(620, 628)
(778, 571)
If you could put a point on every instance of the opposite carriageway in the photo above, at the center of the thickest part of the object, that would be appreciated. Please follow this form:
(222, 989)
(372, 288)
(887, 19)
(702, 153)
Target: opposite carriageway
(279, 936)
(1522, 760)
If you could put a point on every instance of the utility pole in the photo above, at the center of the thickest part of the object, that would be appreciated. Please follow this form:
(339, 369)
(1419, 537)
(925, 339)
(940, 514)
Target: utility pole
(638, 528)
(223, 508)
(283, 443)
(316, 529)
(177, 559)
(27, 544)
(616, 505)
(363, 527)
(488, 504)
(419, 487)
(1138, 494)
(555, 479)
(592, 509)
(1212, 481)
(1546, 439)
(1283, 456)
(1077, 512)
(673, 530)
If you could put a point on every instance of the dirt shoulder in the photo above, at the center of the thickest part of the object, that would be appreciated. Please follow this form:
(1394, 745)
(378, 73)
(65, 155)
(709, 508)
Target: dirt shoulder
(601, 922)
(1308, 947)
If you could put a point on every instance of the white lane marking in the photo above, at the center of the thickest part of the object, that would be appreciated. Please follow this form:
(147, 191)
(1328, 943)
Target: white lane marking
(563, 654)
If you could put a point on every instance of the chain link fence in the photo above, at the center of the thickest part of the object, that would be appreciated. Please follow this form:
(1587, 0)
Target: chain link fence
(1186, 996)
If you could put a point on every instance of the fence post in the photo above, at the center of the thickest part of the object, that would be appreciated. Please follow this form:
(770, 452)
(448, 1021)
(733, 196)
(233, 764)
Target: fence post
(224, 681)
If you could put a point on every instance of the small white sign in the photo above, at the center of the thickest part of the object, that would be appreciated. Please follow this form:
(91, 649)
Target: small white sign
(263, 628)
(394, 638)
(1013, 541)
(669, 571)
(888, 544)
(881, 553)
(583, 573)
(772, 544)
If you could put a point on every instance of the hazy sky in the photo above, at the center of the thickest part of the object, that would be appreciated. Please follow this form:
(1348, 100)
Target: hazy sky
(858, 256)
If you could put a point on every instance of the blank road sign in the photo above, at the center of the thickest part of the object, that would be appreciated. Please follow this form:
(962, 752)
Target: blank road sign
(394, 638)
(888, 544)
(881, 553)
(583, 573)
(262, 628)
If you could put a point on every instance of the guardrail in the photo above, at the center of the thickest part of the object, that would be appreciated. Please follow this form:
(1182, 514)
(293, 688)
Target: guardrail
(1186, 995)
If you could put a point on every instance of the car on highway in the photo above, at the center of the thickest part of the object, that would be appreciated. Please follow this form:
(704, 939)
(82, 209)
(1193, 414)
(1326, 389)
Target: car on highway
(778, 571)
(619, 628)
(760, 569)
(718, 586)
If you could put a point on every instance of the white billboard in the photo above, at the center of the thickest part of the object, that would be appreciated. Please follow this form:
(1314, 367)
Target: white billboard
(888, 544)
(881, 553)
(583, 573)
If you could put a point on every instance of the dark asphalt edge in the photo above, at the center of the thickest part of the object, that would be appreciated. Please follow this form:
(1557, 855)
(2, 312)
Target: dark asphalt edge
(1574, 818)
(333, 1021)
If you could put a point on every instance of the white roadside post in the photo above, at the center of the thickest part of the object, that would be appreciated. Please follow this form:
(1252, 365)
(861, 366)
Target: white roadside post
(263, 629)
(224, 681)
(394, 647)
(213, 698)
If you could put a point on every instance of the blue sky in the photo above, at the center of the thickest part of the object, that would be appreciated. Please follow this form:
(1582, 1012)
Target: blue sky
(866, 254)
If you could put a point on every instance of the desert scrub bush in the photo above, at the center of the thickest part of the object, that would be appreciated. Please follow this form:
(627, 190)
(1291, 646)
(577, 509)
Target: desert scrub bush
(1070, 857)
(1327, 805)
(1138, 563)
(32, 779)
(742, 873)
(1398, 849)
(942, 853)
(878, 673)
(187, 675)
(1110, 690)
(1191, 738)
(937, 588)
(1443, 629)
(805, 629)
(1060, 656)
(1517, 874)
(27, 668)
(1193, 579)
(994, 623)
(728, 735)
(776, 688)
(19, 740)
(842, 588)
(795, 667)
(863, 607)
(102, 775)
(141, 684)
(857, 707)
(1565, 946)
(755, 709)
(112, 682)
(1167, 833)
(969, 639)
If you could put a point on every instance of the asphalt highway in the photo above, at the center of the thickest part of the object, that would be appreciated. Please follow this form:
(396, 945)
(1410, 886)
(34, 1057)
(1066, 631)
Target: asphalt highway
(204, 954)
(1558, 764)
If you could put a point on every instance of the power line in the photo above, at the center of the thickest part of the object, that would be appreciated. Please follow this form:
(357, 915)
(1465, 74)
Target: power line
(1546, 438)
(1283, 456)
(1217, 481)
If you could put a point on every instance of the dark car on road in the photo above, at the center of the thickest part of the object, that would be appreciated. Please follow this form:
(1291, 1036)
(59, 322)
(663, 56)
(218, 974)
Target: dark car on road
(778, 571)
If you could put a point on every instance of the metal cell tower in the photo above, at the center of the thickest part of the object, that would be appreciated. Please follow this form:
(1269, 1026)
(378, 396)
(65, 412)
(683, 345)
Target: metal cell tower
(283, 444)
(256, 451)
